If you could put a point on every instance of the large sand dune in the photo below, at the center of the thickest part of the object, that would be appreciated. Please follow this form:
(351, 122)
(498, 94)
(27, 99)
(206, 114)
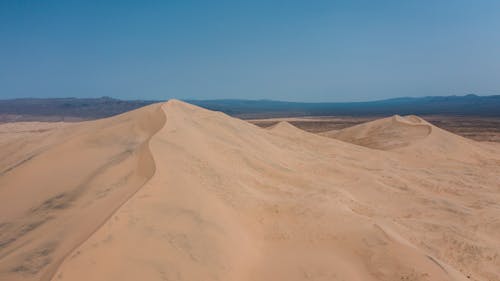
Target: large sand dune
(176, 192)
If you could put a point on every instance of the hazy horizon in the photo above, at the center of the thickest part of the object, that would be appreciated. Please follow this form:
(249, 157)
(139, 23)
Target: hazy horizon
(244, 99)
(326, 51)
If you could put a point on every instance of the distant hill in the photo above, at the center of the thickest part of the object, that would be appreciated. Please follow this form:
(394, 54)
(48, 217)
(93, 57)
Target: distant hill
(68, 109)
(65, 109)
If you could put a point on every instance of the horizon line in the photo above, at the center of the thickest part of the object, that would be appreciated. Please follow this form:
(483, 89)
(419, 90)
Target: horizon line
(249, 100)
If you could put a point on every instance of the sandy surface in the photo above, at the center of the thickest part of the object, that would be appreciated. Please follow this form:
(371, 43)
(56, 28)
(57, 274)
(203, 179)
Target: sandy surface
(176, 192)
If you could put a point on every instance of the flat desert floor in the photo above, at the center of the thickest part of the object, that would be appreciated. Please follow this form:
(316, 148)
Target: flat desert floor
(172, 191)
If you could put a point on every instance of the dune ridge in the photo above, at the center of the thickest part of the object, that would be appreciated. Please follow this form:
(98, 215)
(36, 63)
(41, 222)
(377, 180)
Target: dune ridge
(69, 179)
(231, 201)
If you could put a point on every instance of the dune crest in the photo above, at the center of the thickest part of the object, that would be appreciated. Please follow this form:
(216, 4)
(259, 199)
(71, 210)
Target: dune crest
(283, 126)
(58, 187)
(231, 201)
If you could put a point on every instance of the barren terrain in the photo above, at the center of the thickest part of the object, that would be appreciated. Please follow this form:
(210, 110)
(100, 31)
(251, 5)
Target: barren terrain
(172, 191)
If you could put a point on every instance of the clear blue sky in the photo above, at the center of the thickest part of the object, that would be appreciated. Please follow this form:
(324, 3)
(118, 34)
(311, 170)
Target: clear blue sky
(282, 50)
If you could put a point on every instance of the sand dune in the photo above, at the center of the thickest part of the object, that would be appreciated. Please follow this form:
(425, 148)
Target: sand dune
(59, 186)
(414, 136)
(176, 192)
(385, 134)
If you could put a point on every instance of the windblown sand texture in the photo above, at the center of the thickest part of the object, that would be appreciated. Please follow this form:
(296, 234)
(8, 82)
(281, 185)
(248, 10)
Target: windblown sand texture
(175, 192)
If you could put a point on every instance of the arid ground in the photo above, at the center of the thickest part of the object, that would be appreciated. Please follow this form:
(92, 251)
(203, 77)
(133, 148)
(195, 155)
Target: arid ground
(172, 191)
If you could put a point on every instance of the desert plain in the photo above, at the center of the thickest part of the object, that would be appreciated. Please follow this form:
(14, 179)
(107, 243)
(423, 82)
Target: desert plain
(172, 191)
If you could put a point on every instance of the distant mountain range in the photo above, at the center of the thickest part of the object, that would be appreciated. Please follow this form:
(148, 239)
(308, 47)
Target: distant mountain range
(469, 105)
(58, 109)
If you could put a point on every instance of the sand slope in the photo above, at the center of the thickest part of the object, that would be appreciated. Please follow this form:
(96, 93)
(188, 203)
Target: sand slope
(413, 136)
(59, 186)
(385, 134)
(222, 199)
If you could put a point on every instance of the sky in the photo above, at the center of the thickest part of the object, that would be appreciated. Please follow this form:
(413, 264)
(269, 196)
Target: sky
(282, 50)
